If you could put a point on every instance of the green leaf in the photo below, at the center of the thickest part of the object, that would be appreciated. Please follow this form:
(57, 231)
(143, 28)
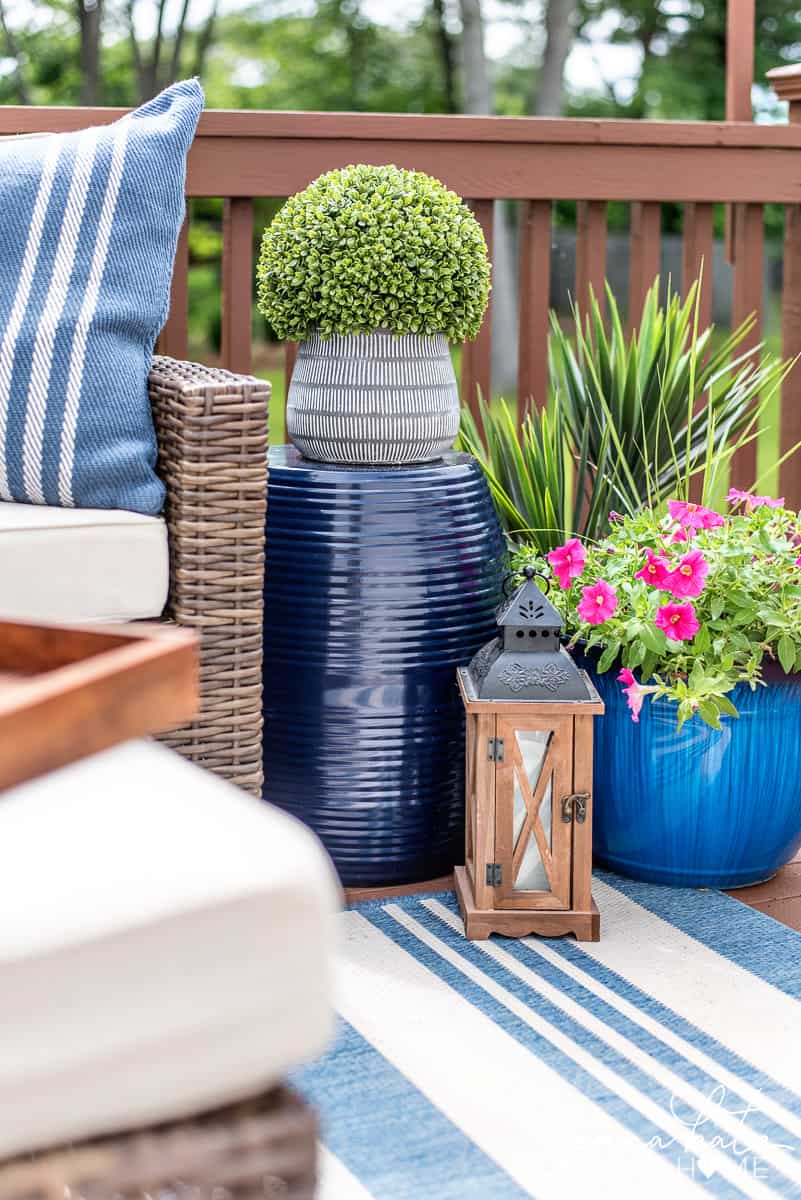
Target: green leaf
(696, 676)
(608, 657)
(648, 666)
(635, 654)
(725, 705)
(653, 638)
(786, 652)
(774, 617)
(703, 640)
(708, 712)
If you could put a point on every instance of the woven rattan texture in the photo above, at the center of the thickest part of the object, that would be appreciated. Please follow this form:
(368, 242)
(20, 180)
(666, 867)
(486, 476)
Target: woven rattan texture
(212, 429)
(265, 1149)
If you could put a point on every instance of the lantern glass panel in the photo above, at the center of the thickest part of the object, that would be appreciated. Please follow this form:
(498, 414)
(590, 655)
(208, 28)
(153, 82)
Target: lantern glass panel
(533, 745)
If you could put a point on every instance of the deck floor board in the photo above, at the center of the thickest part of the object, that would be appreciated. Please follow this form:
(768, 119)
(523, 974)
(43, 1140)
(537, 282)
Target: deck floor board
(780, 897)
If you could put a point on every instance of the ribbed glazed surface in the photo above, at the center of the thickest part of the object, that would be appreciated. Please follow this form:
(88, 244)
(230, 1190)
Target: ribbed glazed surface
(379, 583)
(707, 807)
(373, 398)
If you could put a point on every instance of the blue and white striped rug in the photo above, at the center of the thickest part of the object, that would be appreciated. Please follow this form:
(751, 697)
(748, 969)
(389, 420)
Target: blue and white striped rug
(663, 1061)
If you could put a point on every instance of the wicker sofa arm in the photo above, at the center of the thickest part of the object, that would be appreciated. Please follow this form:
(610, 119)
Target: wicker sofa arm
(212, 430)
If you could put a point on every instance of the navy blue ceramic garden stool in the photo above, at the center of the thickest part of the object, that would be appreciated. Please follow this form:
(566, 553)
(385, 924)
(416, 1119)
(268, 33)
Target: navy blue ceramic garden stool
(704, 807)
(379, 582)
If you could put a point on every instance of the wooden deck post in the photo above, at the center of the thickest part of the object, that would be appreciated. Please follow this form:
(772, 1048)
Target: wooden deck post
(786, 83)
(740, 30)
(740, 35)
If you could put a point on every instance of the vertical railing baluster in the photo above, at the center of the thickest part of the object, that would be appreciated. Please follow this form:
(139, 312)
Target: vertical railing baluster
(477, 355)
(645, 232)
(290, 354)
(535, 289)
(237, 284)
(697, 245)
(790, 471)
(174, 337)
(749, 242)
(590, 253)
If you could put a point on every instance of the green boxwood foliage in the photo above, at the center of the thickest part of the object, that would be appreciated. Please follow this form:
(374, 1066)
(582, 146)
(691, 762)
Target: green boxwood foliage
(367, 248)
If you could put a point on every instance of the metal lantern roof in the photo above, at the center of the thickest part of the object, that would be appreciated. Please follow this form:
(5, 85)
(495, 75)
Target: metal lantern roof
(527, 661)
(527, 607)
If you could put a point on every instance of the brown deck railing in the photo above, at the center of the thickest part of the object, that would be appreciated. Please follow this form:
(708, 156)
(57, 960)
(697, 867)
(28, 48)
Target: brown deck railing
(242, 155)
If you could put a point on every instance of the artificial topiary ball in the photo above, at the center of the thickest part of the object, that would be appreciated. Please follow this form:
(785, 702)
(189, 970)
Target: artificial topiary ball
(367, 248)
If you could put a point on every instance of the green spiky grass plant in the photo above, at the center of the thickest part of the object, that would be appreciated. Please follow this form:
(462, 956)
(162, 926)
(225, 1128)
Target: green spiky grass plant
(632, 420)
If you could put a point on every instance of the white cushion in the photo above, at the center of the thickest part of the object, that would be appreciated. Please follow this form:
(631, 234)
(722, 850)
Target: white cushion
(81, 564)
(165, 946)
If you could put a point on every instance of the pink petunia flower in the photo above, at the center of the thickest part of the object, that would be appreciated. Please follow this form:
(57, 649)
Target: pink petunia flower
(567, 561)
(687, 579)
(598, 603)
(694, 516)
(633, 692)
(655, 571)
(614, 516)
(736, 496)
(678, 621)
(797, 562)
(682, 535)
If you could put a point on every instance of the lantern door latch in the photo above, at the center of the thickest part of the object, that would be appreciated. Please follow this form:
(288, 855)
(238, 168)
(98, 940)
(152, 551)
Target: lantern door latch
(575, 805)
(495, 750)
(494, 874)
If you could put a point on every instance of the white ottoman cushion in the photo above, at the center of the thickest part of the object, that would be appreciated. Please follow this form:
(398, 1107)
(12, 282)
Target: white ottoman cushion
(81, 564)
(165, 946)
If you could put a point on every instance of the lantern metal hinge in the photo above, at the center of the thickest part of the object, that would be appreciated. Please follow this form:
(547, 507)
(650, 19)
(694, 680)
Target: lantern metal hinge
(495, 750)
(494, 874)
(575, 805)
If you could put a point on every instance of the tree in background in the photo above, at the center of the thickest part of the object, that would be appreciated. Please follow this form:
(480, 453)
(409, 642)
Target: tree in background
(682, 54)
(549, 88)
(95, 51)
(16, 81)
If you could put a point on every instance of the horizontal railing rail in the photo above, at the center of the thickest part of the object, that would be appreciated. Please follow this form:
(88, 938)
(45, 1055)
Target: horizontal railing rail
(239, 156)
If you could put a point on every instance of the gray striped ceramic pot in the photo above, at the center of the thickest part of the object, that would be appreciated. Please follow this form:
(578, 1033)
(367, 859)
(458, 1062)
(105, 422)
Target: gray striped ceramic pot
(373, 398)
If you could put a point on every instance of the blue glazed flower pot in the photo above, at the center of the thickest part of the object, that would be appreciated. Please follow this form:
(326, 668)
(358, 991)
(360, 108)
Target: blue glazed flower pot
(704, 807)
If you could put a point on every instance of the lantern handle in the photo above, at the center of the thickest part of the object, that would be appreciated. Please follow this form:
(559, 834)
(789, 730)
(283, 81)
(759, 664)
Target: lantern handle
(529, 573)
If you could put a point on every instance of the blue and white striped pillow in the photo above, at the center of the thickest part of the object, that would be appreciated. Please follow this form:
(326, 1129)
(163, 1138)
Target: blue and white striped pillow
(88, 232)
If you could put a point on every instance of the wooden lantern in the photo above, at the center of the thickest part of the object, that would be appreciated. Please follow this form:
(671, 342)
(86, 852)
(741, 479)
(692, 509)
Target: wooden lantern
(528, 857)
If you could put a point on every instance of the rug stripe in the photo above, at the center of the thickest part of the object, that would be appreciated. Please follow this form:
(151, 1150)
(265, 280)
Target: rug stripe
(775, 1110)
(690, 978)
(724, 925)
(335, 1180)
(527, 1105)
(690, 1093)
(646, 1096)
(387, 1135)
(741, 1080)
(777, 1101)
